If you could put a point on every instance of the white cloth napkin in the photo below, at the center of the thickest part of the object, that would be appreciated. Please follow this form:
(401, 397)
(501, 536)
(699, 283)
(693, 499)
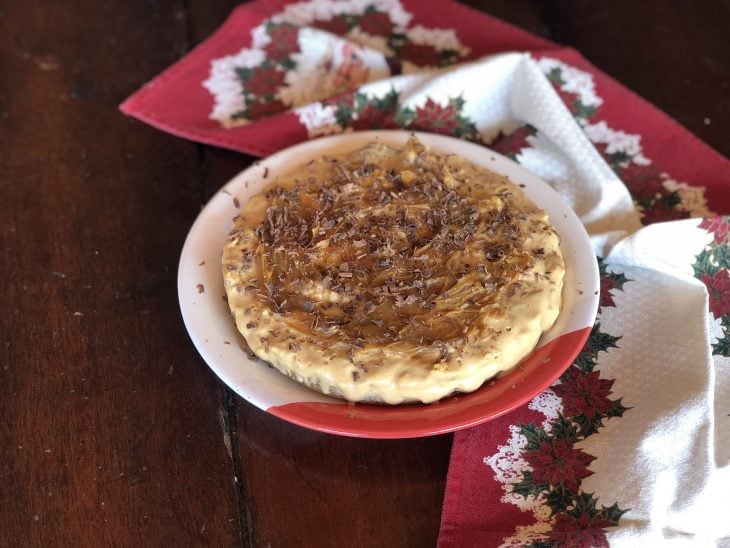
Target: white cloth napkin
(677, 443)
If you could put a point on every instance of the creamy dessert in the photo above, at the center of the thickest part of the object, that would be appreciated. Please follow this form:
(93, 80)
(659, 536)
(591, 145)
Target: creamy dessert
(392, 275)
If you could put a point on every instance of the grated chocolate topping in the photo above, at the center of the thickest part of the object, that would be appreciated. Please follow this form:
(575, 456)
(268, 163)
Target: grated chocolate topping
(388, 250)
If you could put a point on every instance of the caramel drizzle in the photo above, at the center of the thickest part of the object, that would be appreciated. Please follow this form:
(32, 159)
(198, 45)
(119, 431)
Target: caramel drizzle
(404, 256)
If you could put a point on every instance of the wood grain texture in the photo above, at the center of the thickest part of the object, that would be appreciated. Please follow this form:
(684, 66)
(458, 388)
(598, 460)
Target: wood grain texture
(112, 429)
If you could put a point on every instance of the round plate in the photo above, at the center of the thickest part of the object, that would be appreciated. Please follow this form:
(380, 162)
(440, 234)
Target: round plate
(212, 329)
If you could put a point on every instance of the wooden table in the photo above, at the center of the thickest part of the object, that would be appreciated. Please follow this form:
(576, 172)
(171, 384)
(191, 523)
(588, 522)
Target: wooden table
(112, 428)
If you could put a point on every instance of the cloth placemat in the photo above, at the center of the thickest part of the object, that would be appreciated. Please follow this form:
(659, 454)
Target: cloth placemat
(632, 444)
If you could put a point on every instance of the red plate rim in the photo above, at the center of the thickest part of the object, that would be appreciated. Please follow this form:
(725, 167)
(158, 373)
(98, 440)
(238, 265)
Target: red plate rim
(499, 396)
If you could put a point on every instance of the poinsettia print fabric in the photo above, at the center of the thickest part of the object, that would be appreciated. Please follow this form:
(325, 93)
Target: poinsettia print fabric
(315, 50)
(711, 267)
(542, 466)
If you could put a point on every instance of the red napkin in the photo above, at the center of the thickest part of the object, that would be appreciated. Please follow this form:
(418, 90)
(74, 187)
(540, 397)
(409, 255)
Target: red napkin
(176, 102)
(669, 172)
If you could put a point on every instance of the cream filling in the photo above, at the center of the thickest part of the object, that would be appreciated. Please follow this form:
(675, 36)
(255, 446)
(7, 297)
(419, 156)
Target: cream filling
(496, 340)
(388, 374)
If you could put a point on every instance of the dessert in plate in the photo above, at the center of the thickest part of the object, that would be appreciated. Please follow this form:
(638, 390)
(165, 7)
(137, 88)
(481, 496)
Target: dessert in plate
(392, 274)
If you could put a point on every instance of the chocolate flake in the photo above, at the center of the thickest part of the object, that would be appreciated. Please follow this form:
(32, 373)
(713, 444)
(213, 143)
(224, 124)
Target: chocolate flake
(385, 246)
(249, 353)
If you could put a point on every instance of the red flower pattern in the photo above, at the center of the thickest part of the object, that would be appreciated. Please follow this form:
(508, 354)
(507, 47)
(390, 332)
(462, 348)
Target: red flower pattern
(420, 55)
(606, 299)
(585, 531)
(584, 393)
(376, 23)
(644, 182)
(372, 117)
(718, 287)
(659, 211)
(513, 143)
(435, 118)
(264, 80)
(337, 25)
(719, 226)
(284, 41)
(559, 463)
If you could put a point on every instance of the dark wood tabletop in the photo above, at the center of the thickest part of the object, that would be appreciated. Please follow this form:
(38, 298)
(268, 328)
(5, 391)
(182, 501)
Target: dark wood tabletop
(113, 431)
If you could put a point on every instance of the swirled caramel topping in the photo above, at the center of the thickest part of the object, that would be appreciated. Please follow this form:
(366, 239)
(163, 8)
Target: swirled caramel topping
(384, 248)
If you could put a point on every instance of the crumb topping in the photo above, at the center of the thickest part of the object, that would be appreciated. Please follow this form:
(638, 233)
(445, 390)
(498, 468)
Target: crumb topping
(388, 248)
